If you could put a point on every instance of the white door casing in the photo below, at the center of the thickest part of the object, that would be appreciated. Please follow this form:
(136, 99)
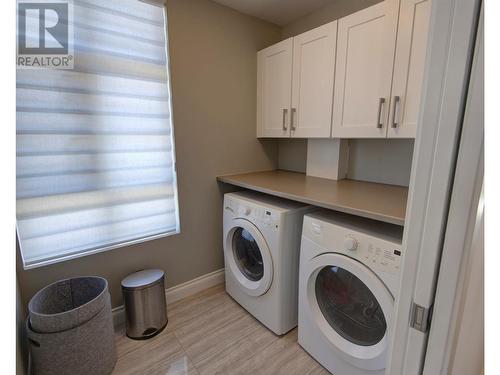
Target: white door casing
(366, 357)
(447, 68)
(274, 89)
(252, 288)
(312, 82)
(463, 241)
(409, 64)
(363, 71)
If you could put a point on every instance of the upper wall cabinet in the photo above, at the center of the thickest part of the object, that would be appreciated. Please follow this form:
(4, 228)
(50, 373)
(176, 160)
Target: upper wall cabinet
(274, 89)
(365, 55)
(312, 82)
(375, 58)
(376, 48)
(409, 67)
(302, 105)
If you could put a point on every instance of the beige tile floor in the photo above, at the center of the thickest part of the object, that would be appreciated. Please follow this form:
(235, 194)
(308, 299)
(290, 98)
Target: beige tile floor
(209, 333)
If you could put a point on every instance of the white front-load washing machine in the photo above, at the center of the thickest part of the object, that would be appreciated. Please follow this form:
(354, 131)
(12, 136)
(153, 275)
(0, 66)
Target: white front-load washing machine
(349, 276)
(261, 254)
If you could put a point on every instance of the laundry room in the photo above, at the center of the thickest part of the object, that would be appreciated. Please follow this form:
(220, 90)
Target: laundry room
(249, 187)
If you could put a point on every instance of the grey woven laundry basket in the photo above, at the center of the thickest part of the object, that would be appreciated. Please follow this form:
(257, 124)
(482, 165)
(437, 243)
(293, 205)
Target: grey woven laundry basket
(70, 328)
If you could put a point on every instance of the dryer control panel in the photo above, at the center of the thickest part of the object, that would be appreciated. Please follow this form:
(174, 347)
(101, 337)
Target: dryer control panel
(252, 212)
(381, 256)
(370, 245)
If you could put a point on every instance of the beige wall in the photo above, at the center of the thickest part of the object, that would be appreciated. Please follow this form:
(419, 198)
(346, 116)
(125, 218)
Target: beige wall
(337, 9)
(213, 67)
(387, 161)
(292, 154)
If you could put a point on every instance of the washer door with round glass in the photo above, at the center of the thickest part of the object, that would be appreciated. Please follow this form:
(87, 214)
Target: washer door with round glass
(248, 257)
(352, 308)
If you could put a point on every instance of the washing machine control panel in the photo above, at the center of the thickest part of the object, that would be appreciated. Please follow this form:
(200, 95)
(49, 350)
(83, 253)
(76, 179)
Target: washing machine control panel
(373, 252)
(377, 252)
(253, 213)
(386, 259)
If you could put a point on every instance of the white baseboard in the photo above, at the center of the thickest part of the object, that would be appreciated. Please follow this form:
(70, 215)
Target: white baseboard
(179, 292)
(194, 286)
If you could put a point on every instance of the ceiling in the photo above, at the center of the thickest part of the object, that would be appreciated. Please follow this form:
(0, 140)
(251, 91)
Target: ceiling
(279, 12)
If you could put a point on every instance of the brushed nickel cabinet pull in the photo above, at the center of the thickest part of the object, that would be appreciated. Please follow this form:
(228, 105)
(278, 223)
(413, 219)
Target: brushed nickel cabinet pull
(285, 111)
(381, 102)
(292, 119)
(397, 100)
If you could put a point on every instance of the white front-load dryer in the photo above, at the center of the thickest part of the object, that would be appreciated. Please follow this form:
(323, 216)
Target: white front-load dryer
(349, 276)
(261, 254)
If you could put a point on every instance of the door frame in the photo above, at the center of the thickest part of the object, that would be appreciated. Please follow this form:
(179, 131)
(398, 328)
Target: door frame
(465, 215)
(448, 64)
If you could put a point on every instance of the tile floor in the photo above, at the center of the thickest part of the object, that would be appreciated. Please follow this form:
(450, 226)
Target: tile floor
(209, 333)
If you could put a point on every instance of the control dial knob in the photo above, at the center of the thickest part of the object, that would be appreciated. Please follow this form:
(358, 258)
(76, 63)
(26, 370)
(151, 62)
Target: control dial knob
(245, 211)
(350, 244)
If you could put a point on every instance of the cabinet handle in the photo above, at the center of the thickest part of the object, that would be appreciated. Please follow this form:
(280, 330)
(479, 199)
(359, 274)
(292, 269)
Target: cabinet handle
(292, 117)
(285, 111)
(381, 102)
(397, 100)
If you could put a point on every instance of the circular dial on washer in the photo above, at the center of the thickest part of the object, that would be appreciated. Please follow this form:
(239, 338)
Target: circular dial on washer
(245, 211)
(350, 244)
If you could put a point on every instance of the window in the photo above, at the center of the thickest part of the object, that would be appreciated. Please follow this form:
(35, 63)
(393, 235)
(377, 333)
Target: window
(95, 150)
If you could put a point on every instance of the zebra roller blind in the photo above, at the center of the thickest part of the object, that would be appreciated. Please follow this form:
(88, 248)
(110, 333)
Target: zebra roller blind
(95, 151)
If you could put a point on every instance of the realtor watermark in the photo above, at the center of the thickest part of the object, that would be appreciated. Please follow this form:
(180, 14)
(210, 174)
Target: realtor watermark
(45, 34)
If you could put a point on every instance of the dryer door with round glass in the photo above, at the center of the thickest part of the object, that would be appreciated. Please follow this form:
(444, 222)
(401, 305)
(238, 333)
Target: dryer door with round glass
(352, 308)
(248, 257)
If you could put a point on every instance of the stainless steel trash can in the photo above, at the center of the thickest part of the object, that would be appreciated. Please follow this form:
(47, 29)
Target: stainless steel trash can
(145, 303)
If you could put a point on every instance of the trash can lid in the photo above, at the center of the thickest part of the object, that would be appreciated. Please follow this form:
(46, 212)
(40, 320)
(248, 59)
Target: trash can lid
(142, 279)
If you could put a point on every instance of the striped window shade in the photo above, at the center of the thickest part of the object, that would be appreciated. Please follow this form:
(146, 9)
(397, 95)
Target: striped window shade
(95, 150)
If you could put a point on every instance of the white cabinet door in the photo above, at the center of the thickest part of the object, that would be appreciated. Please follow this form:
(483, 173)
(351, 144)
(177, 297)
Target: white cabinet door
(274, 89)
(409, 68)
(312, 82)
(365, 55)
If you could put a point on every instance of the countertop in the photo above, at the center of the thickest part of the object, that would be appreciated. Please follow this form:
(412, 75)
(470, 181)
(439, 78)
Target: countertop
(376, 201)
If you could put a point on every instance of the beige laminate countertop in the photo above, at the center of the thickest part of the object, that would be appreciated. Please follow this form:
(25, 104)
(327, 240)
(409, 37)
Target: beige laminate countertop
(367, 199)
